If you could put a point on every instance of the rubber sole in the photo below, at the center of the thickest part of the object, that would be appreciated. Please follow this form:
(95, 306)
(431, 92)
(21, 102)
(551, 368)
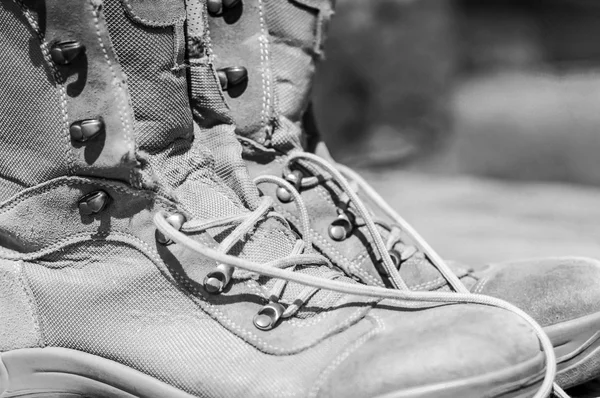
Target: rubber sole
(63, 373)
(577, 348)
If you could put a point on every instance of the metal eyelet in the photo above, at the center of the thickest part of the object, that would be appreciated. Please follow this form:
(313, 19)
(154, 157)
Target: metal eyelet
(268, 316)
(396, 258)
(217, 7)
(232, 76)
(217, 280)
(65, 52)
(294, 178)
(341, 228)
(84, 130)
(93, 202)
(176, 220)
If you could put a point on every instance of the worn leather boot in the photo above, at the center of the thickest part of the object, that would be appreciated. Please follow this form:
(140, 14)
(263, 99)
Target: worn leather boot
(277, 44)
(130, 268)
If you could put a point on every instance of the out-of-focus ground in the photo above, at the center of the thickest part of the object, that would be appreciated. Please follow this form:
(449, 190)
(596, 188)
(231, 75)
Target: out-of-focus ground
(478, 120)
(477, 220)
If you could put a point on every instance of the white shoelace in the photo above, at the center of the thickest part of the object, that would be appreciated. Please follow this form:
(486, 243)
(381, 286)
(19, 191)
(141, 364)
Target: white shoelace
(283, 269)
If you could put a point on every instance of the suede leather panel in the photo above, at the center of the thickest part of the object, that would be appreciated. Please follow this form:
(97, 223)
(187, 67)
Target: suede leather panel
(245, 42)
(95, 88)
(19, 327)
(551, 290)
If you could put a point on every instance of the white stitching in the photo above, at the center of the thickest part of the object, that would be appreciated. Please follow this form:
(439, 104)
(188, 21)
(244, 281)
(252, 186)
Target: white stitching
(60, 85)
(481, 285)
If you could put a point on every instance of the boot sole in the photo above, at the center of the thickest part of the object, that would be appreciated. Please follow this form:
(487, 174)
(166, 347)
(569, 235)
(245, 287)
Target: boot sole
(63, 373)
(577, 348)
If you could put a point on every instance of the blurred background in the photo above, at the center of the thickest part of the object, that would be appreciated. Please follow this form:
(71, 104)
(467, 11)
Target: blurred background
(478, 120)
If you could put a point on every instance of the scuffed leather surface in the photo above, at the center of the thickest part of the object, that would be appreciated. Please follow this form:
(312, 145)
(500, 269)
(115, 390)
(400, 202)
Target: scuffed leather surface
(551, 290)
(406, 354)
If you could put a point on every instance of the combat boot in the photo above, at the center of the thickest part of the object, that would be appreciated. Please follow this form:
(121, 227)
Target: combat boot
(274, 47)
(129, 267)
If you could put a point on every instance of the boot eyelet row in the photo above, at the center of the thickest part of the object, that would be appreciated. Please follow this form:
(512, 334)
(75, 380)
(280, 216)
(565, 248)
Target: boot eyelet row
(66, 53)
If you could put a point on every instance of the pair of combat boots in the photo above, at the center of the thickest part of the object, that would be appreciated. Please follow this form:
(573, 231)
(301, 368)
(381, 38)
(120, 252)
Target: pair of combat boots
(139, 259)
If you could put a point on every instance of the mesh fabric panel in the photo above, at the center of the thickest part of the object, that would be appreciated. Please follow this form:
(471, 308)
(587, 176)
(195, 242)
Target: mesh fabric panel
(33, 144)
(228, 163)
(164, 128)
(294, 23)
(157, 86)
(118, 305)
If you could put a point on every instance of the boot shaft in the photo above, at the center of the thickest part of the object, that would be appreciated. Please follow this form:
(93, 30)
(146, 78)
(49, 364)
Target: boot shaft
(103, 89)
(279, 43)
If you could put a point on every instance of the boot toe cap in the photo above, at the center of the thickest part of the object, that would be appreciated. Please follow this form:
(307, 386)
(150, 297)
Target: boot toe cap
(552, 290)
(450, 351)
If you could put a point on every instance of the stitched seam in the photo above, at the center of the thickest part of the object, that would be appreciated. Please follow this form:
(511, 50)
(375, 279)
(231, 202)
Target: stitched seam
(208, 46)
(345, 354)
(428, 285)
(265, 66)
(120, 92)
(481, 285)
(69, 157)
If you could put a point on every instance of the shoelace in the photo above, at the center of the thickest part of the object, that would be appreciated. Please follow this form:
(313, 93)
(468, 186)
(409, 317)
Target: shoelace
(283, 269)
(347, 179)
